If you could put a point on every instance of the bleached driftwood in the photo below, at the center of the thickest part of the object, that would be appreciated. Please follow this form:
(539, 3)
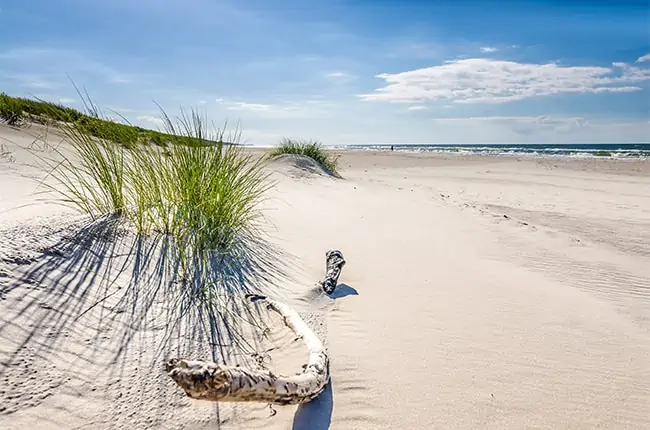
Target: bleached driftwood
(334, 264)
(223, 383)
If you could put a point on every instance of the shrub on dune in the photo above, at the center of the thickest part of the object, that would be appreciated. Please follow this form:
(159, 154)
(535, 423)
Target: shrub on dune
(11, 110)
(309, 148)
(201, 191)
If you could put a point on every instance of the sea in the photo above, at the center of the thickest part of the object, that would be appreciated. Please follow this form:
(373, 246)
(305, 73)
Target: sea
(611, 150)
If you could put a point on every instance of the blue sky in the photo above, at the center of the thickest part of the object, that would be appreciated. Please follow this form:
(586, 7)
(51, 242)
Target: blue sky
(371, 71)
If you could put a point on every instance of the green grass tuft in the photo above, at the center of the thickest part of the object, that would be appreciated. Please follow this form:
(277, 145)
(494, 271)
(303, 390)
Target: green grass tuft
(309, 148)
(200, 191)
(10, 110)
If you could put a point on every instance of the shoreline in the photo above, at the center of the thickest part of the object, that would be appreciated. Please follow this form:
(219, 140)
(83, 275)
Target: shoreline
(468, 153)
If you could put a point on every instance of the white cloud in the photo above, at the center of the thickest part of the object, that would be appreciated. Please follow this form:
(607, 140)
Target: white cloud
(277, 111)
(489, 49)
(26, 54)
(504, 118)
(120, 110)
(524, 125)
(547, 128)
(482, 80)
(260, 137)
(643, 58)
(63, 61)
(151, 120)
(67, 100)
(34, 81)
(252, 107)
(337, 75)
(417, 107)
(340, 77)
(420, 51)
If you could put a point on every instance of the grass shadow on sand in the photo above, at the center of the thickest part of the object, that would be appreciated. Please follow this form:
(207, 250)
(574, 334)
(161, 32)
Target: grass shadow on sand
(107, 301)
(128, 281)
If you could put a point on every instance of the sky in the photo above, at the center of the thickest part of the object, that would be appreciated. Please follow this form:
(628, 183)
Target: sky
(346, 72)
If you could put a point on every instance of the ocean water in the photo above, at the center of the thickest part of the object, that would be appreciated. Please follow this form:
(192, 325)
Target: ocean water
(628, 150)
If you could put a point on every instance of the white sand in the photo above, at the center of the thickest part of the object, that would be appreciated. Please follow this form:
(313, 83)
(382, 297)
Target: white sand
(451, 315)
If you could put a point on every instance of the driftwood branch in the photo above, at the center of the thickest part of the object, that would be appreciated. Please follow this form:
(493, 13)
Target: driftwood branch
(334, 264)
(223, 383)
(216, 382)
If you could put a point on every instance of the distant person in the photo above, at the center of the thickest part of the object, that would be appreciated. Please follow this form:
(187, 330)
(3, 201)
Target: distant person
(392, 148)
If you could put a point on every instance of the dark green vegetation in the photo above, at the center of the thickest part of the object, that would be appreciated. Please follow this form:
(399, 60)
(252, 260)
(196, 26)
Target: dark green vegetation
(309, 148)
(16, 111)
(197, 190)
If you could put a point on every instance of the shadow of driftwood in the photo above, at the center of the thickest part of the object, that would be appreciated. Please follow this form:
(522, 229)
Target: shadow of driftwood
(343, 290)
(317, 414)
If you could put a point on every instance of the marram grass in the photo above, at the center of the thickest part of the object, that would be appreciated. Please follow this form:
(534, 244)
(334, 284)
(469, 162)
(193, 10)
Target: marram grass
(309, 148)
(200, 191)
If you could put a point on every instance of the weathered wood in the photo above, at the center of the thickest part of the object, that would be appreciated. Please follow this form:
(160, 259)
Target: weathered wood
(334, 264)
(223, 383)
(216, 382)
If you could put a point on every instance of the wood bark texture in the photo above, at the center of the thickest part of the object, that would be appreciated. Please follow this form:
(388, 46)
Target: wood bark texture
(223, 383)
(334, 263)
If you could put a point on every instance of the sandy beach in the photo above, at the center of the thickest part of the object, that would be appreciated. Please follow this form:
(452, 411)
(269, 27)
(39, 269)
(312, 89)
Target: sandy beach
(479, 292)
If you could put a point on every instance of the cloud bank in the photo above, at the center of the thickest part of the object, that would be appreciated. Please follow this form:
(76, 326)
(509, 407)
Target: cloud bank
(483, 80)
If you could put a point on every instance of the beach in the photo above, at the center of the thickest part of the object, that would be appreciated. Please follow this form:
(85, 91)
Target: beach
(479, 292)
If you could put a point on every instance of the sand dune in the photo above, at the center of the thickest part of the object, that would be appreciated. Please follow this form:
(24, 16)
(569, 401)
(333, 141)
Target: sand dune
(478, 293)
(297, 166)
